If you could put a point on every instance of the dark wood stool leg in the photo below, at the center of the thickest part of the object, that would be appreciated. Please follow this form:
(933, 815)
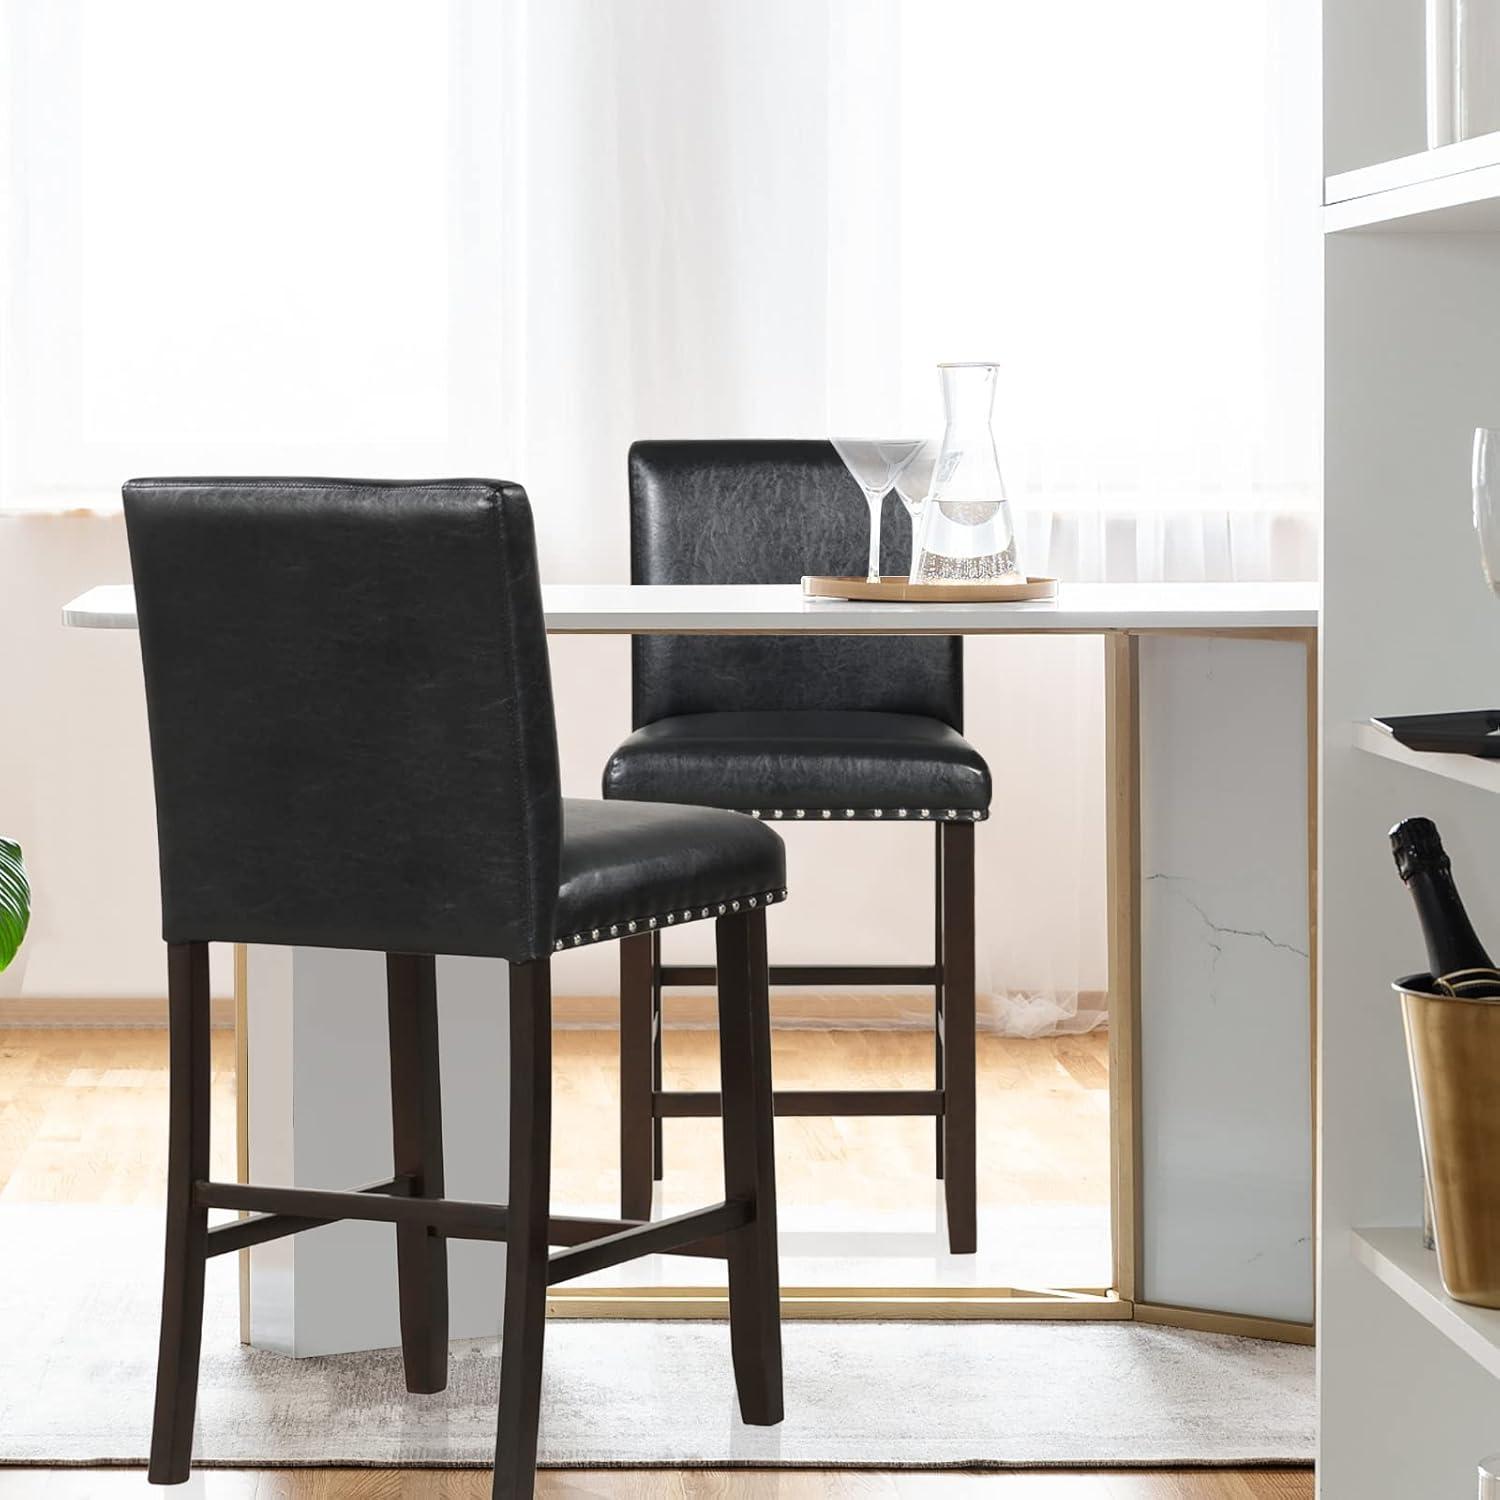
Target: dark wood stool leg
(750, 1164)
(187, 1225)
(638, 988)
(658, 1154)
(939, 1076)
(417, 1141)
(525, 1322)
(959, 1122)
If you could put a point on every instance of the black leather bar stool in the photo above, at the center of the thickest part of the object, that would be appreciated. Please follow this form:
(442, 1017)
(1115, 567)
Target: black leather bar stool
(831, 729)
(353, 745)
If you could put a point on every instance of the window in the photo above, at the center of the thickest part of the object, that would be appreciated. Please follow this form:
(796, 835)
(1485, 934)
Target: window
(242, 240)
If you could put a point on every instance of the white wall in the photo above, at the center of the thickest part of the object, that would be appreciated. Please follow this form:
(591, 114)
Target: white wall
(75, 788)
(75, 770)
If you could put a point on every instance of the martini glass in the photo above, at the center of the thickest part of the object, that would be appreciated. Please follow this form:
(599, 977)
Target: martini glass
(914, 481)
(875, 465)
(1487, 501)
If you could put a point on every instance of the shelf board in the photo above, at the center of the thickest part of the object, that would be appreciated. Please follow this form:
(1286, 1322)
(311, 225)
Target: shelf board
(1469, 769)
(1453, 189)
(1421, 166)
(1396, 1257)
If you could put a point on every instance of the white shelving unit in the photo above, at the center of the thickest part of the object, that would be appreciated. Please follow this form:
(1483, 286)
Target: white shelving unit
(1469, 770)
(1409, 1381)
(1415, 170)
(1398, 1258)
(1454, 188)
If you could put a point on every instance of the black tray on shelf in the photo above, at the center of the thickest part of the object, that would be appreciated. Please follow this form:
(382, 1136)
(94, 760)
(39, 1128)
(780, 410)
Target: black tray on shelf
(1471, 731)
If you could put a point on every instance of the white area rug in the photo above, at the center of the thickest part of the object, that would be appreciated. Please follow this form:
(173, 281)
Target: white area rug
(78, 1291)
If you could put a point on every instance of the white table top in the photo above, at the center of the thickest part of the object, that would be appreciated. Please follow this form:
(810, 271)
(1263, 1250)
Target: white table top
(749, 609)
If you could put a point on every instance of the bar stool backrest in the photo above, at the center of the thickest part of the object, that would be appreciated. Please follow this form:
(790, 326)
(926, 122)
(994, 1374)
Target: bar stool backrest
(350, 707)
(770, 511)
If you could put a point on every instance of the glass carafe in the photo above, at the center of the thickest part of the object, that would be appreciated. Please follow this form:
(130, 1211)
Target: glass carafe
(965, 535)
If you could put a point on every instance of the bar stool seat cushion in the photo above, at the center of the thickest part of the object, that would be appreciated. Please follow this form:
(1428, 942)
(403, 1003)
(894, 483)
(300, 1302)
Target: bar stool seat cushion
(843, 763)
(630, 867)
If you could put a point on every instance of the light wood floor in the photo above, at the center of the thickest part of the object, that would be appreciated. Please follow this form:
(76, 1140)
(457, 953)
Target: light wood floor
(83, 1115)
(660, 1484)
(1047, 1100)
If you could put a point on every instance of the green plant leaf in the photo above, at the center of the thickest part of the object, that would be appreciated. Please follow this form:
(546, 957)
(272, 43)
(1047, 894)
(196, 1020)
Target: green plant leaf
(15, 900)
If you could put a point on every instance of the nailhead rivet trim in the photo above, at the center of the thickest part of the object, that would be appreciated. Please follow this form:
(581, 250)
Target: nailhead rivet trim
(942, 815)
(578, 939)
(596, 934)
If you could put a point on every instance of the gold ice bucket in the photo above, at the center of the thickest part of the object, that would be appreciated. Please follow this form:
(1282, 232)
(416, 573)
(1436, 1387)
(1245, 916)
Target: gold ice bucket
(1453, 1045)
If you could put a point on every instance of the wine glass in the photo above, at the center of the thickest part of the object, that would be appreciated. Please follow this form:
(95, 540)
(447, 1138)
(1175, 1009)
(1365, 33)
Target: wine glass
(875, 465)
(915, 480)
(1487, 501)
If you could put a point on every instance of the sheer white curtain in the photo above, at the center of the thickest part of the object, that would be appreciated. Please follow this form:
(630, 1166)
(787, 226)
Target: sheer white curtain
(240, 237)
(367, 236)
(1121, 204)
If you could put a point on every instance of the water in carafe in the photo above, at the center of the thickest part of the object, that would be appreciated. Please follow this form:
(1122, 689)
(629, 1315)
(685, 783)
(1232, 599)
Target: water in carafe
(966, 534)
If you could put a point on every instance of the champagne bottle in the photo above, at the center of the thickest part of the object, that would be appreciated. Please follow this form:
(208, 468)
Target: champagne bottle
(1455, 955)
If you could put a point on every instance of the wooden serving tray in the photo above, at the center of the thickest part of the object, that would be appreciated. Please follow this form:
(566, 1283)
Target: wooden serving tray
(895, 589)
